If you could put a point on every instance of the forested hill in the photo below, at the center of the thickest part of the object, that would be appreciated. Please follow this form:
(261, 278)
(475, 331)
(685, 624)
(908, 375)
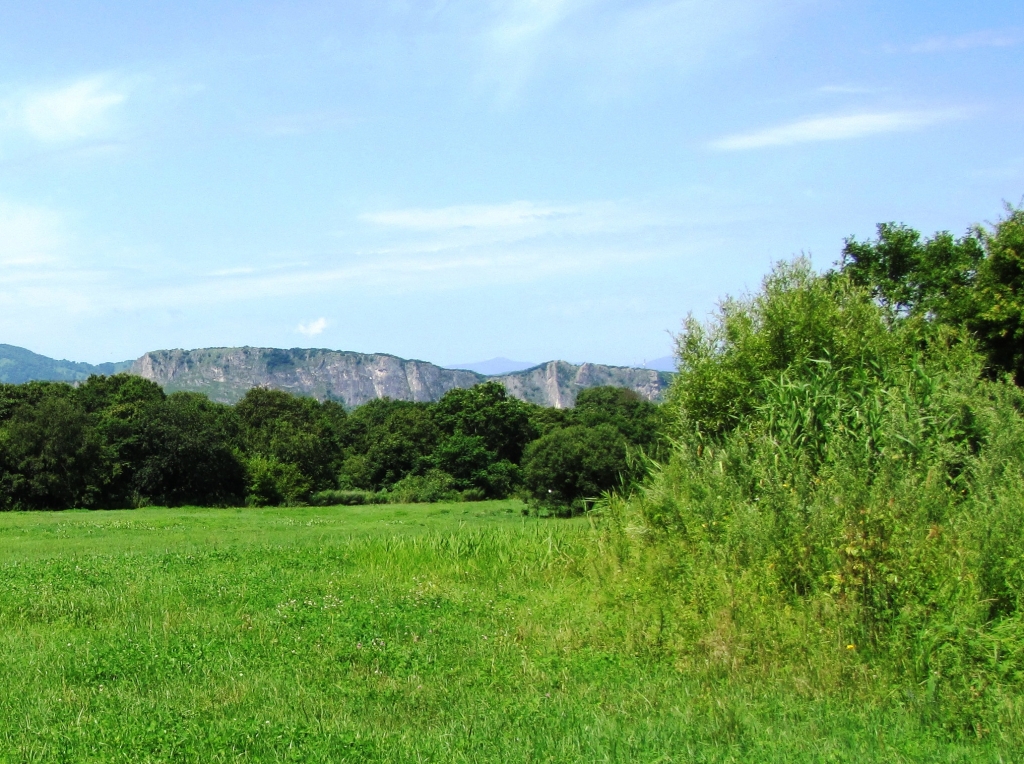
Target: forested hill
(19, 365)
(225, 374)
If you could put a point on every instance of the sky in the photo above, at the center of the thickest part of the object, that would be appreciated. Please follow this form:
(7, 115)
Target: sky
(453, 180)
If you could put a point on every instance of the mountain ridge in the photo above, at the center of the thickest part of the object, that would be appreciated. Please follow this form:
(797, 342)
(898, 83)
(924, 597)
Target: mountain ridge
(19, 365)
(225, 374)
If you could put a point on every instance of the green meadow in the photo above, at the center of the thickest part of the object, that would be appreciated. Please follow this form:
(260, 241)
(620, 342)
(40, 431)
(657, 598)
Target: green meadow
(459, 632)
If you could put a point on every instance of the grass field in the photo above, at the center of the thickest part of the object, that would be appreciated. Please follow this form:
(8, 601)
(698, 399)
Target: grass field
(461, 632)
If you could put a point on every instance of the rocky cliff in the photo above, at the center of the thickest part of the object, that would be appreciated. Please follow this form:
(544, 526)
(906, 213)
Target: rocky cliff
(557, 383)
(225, 374)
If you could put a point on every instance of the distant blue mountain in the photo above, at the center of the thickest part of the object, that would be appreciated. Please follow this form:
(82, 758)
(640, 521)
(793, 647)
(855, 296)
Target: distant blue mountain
(18, 365)
(665, 363)
(494, 366)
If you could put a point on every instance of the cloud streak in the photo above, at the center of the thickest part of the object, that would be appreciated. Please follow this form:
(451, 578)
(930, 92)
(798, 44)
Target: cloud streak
(73, 112)
(835, 128)
(513, 214)
(991, 38)
(29, 236)
(608, 44)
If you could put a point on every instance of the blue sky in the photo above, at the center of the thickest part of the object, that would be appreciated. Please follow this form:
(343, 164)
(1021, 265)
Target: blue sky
(453, 180)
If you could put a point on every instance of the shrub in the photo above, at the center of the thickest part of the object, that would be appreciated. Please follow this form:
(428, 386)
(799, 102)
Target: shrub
(335, 498)
(415, 489)
(270, 482)
(839, 478)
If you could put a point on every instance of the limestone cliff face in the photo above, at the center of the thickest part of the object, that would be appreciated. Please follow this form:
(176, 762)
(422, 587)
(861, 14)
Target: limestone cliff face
(557, 383)
(225, 374)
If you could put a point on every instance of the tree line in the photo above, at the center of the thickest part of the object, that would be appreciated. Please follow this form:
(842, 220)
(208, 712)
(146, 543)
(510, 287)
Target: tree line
(120, 441)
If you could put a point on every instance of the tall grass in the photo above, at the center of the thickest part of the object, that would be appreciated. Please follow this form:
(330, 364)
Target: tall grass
(844, 504)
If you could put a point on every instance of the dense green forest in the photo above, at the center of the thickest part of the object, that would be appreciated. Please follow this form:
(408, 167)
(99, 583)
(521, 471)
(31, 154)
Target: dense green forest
(119, 441)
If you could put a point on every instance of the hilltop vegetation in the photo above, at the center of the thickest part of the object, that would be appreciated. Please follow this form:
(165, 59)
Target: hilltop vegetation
(18, 365)
(120, 441)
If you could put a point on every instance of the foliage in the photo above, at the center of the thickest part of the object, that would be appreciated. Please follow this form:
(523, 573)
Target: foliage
(119, 441)
(433, 486)
(844, 486)
(974, 282)
(569, 466)
(272, 482)
(387, 440)
(638, 420)
(489, 413)
(50, 457)
(935, 277)
(337, 498)
(293, 439)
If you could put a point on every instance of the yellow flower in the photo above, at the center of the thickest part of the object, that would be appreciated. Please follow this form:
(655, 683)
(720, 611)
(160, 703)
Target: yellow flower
(851, 647)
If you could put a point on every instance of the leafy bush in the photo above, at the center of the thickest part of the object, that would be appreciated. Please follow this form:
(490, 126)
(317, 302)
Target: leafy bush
(844, 485)
(435, 485)
(335, 498)
(271, 482)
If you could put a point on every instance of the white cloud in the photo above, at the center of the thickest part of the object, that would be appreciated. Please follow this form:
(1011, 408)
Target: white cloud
(29, 236)
(513, 214)
(520, 219)
(80, 110)
(991, 38)
(846, 90)
(313, 328)
(835, 128)
(521, 22)
(607, 43)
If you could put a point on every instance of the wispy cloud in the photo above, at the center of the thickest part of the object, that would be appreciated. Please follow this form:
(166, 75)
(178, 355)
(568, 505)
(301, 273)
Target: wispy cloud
(522, 22)
(990, 38)
(513, 214)
(29, 236)
(72, 112)
(313, 328)
(835, 128)
(607, 43)
(846, 90)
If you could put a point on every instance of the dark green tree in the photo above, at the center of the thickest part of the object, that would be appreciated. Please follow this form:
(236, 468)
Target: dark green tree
(974, 282)
(51, 455)
(998, 318)
(637, 419)
(487, 411)
(183, 454)
(292, 430)
(387, 440)
(567, 466)
(907, 274)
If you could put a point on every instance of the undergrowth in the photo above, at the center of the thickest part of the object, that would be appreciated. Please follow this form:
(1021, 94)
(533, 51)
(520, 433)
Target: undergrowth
(843, 508)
